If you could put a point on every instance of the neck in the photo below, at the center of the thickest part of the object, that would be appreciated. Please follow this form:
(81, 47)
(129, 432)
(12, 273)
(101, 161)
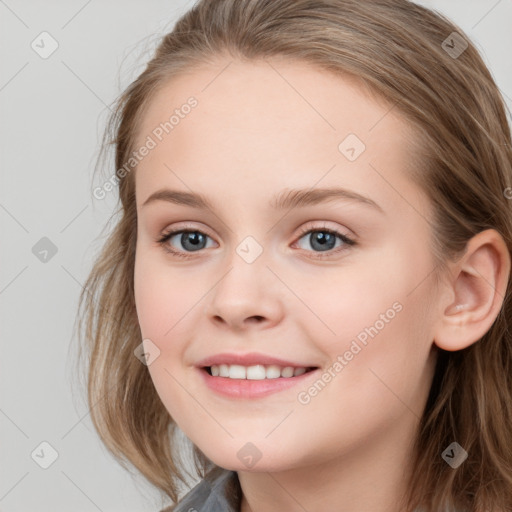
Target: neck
(372, 477)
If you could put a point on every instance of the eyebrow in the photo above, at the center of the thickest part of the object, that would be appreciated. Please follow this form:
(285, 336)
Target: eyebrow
(286, 199)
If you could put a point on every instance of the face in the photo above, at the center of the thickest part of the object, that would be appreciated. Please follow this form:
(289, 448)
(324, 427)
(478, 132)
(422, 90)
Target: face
(337, 284)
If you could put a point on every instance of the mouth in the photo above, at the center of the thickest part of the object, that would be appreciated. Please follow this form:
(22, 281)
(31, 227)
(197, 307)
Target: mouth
(254, 382)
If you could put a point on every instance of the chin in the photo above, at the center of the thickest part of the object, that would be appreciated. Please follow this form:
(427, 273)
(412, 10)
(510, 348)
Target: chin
(253, 457)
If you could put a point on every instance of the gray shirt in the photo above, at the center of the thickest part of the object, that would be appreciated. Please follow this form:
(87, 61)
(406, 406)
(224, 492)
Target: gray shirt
(219, 491)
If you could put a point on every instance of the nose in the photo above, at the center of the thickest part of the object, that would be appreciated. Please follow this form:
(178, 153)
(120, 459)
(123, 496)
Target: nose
(248, 295)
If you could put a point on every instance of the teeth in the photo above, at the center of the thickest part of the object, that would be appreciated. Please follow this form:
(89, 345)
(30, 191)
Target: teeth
(272, 372)
(287, 371)
(256, 372)
(237, 372)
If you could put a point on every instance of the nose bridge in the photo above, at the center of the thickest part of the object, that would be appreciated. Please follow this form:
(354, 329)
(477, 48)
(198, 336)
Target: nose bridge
(247, 289)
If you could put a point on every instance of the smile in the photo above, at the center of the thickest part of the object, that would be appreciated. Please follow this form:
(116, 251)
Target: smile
(238, 385)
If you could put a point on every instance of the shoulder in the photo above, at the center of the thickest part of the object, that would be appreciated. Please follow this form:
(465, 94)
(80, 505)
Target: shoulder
(218, 490)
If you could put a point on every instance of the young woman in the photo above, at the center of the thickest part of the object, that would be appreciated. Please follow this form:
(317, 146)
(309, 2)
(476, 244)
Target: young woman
(310, 275)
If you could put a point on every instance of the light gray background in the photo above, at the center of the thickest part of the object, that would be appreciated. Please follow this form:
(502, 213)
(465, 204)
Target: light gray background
(52, 115)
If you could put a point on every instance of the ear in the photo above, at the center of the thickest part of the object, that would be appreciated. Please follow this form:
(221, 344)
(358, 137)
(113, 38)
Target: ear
(474, 293)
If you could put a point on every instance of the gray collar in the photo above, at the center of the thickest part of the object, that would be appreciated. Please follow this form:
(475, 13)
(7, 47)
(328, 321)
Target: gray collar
(219, 491)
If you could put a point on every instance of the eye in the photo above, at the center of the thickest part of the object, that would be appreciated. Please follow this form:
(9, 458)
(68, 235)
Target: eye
(321, 239)
(192, 240)
(324, 240)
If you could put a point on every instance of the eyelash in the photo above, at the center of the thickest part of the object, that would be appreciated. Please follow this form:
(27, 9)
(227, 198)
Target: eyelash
(348, 242)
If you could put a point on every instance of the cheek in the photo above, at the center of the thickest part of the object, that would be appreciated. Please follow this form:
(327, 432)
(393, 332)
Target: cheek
(376, 316)
(162, 297)
(162, 303)
(343, 304)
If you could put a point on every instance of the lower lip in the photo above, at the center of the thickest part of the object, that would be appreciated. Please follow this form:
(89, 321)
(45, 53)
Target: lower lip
(247, 388)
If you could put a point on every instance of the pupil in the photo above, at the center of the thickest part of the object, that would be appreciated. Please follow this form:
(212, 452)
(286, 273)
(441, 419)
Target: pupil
(323, 239)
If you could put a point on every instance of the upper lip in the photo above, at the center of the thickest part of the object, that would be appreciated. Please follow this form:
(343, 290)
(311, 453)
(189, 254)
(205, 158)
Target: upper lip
(249, 359)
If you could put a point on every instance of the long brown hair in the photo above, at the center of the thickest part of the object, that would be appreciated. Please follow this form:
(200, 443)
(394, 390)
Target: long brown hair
(403, 54)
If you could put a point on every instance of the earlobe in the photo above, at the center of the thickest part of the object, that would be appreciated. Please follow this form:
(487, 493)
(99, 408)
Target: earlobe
(477, 292)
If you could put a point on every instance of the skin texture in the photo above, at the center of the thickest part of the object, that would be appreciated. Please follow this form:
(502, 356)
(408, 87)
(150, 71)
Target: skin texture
(259, 128)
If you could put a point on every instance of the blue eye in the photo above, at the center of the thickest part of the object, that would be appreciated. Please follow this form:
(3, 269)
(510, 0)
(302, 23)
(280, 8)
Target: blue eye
(191, 240)
(325, 240)
(322, 240)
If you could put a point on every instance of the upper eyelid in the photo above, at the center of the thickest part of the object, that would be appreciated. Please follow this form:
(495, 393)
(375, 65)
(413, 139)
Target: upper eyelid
(186, 227)
(303, 228)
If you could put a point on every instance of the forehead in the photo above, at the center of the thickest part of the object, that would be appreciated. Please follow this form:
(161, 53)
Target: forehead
(279, 90)
(267, 124)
